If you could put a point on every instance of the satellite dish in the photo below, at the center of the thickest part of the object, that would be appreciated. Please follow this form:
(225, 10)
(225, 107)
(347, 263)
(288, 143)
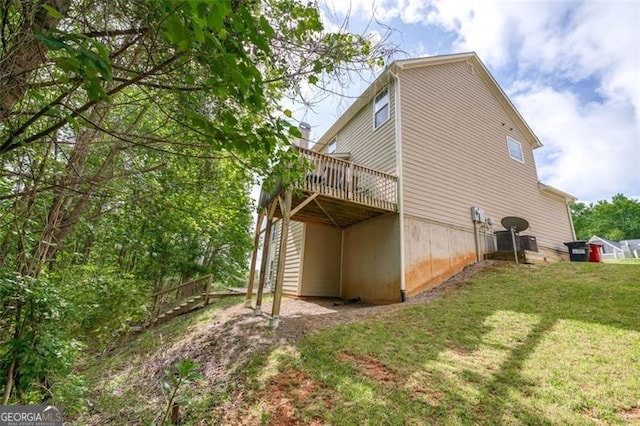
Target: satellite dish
(517, 224)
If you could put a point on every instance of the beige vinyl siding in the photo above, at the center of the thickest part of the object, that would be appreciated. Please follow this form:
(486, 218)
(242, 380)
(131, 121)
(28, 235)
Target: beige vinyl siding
(291, 282)
(293, 261)
(369, 147)
(322, 258)
(371, 260)
(454, 141)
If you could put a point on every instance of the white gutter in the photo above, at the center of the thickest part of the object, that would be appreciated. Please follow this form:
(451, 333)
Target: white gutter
(398, 124)
(573, 230)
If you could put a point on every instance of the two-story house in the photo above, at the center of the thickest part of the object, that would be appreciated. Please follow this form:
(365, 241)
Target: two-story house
(386, 211)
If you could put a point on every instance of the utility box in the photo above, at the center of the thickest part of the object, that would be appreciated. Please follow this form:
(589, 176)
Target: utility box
(528, 242)
(505, 242)
(477, 215)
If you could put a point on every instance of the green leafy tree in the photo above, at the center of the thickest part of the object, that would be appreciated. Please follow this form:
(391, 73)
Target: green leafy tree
(618, 219)
(129, 131)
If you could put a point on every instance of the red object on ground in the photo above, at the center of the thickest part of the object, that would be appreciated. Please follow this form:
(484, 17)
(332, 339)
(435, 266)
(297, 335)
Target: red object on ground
(594, 253)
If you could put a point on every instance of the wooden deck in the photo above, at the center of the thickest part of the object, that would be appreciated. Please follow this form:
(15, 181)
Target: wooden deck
(333, 192)
(337, 192)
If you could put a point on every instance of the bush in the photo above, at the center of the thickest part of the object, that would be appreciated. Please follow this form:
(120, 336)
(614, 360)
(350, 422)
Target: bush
(35, 344)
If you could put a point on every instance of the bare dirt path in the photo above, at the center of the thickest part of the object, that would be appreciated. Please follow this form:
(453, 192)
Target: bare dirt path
(299, 317)
(232, 335)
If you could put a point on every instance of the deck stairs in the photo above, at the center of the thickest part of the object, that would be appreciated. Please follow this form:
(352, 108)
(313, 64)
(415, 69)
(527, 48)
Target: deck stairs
(187, 305)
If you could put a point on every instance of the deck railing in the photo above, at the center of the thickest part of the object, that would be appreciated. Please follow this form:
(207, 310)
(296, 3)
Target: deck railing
(345, 180)
(173, 296)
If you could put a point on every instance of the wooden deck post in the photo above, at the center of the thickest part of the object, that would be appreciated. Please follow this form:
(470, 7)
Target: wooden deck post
(265, 256)
(254, 258)
(207, 289)
(285, 208)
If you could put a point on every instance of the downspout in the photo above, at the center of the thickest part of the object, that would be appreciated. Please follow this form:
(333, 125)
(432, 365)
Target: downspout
(476, 240)
(341, 258)
(573, 230)
(398, 134)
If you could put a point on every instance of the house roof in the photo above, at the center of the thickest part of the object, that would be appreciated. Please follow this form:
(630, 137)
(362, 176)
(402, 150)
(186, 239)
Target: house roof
(399, 65)
(633, 244)
(555, 191)
(610, 243)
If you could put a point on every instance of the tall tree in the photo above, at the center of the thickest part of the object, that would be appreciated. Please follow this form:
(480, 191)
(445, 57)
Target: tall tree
(128, 131)
(618, 219)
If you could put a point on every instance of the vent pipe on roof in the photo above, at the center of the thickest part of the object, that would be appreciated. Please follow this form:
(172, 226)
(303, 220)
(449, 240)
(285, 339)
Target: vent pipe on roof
(303, 141)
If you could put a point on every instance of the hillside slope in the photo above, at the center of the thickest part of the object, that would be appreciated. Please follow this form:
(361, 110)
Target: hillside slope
(557, 344)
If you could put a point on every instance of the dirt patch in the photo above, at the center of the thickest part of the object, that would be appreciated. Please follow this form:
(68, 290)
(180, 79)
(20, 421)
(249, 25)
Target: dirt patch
(226, 340)
(370, 367)
(454, 282)
(283, 394)
(299, 317)
(632, 413)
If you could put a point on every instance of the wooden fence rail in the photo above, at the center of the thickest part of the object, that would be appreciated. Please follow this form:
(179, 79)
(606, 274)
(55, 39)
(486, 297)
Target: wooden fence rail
(169, 298)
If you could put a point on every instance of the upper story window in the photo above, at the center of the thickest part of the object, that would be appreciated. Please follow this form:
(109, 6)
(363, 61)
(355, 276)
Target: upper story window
(515, 149)
(333, 145)
(381, 108)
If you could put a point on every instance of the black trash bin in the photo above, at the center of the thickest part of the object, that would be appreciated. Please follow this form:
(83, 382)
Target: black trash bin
(578, 250)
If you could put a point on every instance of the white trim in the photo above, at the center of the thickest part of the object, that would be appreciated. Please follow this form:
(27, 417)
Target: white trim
(303, 249)
(376, 110)
(555, 191)
(341, 259)
(573, 230)
(398, 135)
(514, 142)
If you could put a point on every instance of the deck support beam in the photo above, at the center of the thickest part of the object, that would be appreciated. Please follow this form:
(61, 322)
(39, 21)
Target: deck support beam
(285, 208)
(254, 258)
(300, 206)
(327, 214)
(265, 255)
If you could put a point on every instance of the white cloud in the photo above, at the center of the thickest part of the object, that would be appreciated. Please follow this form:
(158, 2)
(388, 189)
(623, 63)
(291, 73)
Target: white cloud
(555, 46)
(571, 68)
(591, 150)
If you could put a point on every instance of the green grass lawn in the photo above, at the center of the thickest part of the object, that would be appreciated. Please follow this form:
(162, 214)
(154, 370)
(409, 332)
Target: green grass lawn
(557, 344)
(548, 344)
(624, 261)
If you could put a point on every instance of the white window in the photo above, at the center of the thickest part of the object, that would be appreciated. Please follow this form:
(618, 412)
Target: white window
(271, 270)
(333, 145)
(381, 108)
(515, 149)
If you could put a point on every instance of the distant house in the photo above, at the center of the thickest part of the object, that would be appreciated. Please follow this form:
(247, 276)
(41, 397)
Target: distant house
(610, 249)
(409, 186)
(617, 249)
(633, 245)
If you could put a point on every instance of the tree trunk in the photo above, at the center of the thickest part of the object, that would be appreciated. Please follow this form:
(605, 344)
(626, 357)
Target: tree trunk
(26, 53)
(66, 207)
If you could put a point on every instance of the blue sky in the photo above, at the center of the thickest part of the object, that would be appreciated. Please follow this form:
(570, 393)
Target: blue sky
(571, 68)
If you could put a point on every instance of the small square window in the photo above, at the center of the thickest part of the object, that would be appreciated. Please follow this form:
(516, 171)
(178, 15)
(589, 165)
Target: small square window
(333, 145)
(515, 149)
(381, 108)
